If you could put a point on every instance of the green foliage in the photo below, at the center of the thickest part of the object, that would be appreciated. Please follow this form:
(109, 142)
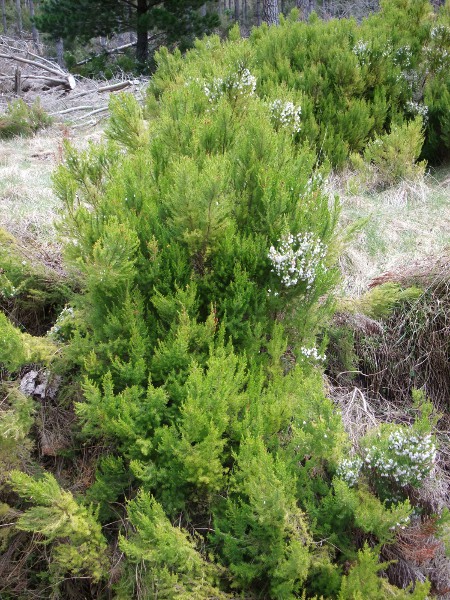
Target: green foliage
(112, 480)
(363, 582)
(173, 568)
(126, 124)
(392, 157)
(178, 21)
(23, 120)
(263, 532)
(30, 292)
(341, 354)
(350, 84)
(16, 421)
(18, 349)
(373, 517)
(204, 240)
(58, 518)
(381, 300)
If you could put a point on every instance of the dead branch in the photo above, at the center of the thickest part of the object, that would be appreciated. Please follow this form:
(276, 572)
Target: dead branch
(114, 87)
(43, 77)
(112, 51)
(69, 80)
(72, 109)
(94, 112)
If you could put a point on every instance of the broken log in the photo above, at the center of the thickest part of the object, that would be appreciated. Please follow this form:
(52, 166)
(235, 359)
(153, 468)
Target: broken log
(61, 77)
(114, 87)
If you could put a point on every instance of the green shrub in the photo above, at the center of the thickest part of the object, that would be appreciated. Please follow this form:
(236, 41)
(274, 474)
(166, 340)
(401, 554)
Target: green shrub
(362, 581)
(204, 240)
(380, 301)
(58, 518)
(31, 292)
(392, 157)
(23, 120)
(16, 420)
(173, 568)
(18, 349)
(393, 457)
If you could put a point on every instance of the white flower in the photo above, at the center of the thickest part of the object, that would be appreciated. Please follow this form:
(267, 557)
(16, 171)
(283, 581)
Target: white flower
(286, 114)
(236, 84)
(298, 258)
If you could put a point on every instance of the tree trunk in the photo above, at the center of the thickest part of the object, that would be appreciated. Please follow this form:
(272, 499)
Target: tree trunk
(34, 31)
(270, 12)
(18, 81)
(258, 12)
(60, 52)
(237, 11)
(142, 32)
(306, 7)
(19, 17)
(5, 27)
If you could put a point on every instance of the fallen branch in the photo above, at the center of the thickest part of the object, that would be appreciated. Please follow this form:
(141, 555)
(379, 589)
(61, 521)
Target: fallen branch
(72, 109)
(114, 87)
(43, 77)
(69, 80)
(112, 51)
(83, 93)
(94, 112)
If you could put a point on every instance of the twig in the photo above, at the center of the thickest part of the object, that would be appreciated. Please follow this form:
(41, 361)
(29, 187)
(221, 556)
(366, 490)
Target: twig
(72, 109)
(94, 112)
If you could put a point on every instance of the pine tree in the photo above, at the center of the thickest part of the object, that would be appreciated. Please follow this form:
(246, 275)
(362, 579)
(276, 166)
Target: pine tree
(179, 22)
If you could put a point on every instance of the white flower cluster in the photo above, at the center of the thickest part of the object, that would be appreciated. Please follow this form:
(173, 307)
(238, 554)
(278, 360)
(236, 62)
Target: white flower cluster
(387, 50)
(191, 80)
(439, 57)
(403, 56)
(286, 114)
(67, 314)
(312, 353)
(408, 459)
(349, 470)
(7, 289)
(298, 259)
(417, 108)
(411, 77)
(440, 32)
(361, 50)
(242, 83)
(314, 182)
(401, 524)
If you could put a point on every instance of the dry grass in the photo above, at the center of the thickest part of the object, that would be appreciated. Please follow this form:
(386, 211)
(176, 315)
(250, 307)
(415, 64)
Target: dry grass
(403, 224)
(27, 204)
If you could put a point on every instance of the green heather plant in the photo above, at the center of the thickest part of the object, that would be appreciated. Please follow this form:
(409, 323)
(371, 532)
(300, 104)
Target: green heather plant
(60, 519)
(395, 458)
(205, 243)
(30, 291)
(23, 120)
